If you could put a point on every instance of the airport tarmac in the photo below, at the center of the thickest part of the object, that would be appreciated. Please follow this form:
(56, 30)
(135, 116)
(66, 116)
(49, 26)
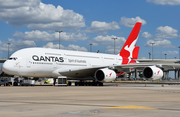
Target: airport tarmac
(126, 100)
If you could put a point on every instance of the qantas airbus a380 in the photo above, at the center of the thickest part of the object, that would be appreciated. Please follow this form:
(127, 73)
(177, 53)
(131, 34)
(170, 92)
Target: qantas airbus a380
(75, 65)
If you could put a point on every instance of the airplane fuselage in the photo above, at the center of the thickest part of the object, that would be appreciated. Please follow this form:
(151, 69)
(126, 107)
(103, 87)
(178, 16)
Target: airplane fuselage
(43, 62)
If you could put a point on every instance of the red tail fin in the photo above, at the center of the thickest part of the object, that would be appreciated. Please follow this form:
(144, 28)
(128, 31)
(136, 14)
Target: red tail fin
(129, 49)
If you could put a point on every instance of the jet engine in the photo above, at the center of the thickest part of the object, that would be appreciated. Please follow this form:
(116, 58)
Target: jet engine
(105, 75)
(152, 72)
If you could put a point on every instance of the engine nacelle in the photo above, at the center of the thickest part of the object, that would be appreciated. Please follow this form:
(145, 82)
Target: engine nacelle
(105, 75)
(153, 72)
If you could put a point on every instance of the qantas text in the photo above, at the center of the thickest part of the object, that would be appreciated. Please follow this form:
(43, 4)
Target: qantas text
(47, 58)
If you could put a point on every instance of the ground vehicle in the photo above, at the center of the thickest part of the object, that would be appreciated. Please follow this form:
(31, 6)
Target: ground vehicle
(4, 82)
(27, 82)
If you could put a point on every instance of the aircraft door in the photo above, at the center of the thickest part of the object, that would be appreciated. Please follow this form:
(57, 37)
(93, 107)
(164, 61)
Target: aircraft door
(55, 64)
(28, 63)
(117, 60)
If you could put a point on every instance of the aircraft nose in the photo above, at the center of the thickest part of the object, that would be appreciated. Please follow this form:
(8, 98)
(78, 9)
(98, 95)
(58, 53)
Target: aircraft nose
(5, 67)
(8, 68)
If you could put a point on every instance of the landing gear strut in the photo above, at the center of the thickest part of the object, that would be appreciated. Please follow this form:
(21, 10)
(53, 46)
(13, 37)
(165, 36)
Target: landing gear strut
(54, 81)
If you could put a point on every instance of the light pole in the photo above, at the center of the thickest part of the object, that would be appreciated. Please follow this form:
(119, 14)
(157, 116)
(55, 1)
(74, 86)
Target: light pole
(179, 52)
(114, 43)
(8, 48)
(90, 47)
(152, 50)
(149, 55)
(165, 55)
(59, 36)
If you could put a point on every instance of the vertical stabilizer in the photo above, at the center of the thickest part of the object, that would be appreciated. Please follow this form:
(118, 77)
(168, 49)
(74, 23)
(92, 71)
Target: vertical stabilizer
(129, 49)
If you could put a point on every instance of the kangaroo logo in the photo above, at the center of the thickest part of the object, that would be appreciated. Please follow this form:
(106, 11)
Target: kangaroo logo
(130, 48)
(158, 72)
(110, 74)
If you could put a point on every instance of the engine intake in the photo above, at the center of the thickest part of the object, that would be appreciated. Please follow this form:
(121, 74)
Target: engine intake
(105, 75)
(152, 72)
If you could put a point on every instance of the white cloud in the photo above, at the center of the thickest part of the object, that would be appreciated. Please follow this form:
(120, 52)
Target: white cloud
(53, 46)
(107, 40)
(22, 43)
(97, 26)
(45, 36)
(10, 4)
(165, 2)
(76, 47)
(95, 44)
(37, 15)
(110, 50)
(166, 32)
(130, 22)
(170, 52)
(16, 45)
(70, 47)
(163, 43)
(146, 35)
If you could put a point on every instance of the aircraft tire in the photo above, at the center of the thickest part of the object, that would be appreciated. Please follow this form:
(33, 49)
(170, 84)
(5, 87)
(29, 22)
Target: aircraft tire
(81, 83)
(15, 84)
(94, 84)
(76, 84)
(85, 83)
(69, 83)
(100, 84)
(89, 84)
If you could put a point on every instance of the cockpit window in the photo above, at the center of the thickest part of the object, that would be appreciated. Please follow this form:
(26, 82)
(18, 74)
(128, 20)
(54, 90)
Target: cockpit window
(13, 58)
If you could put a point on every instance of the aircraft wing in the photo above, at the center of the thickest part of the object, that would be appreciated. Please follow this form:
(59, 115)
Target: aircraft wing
(90, 71)
(165, 66)
(80, 72)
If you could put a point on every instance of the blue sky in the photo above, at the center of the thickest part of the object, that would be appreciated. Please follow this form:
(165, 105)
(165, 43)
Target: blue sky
(32, 23)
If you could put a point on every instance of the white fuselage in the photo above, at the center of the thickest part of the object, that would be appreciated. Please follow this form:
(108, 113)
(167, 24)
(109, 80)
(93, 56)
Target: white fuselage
(43, 62)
